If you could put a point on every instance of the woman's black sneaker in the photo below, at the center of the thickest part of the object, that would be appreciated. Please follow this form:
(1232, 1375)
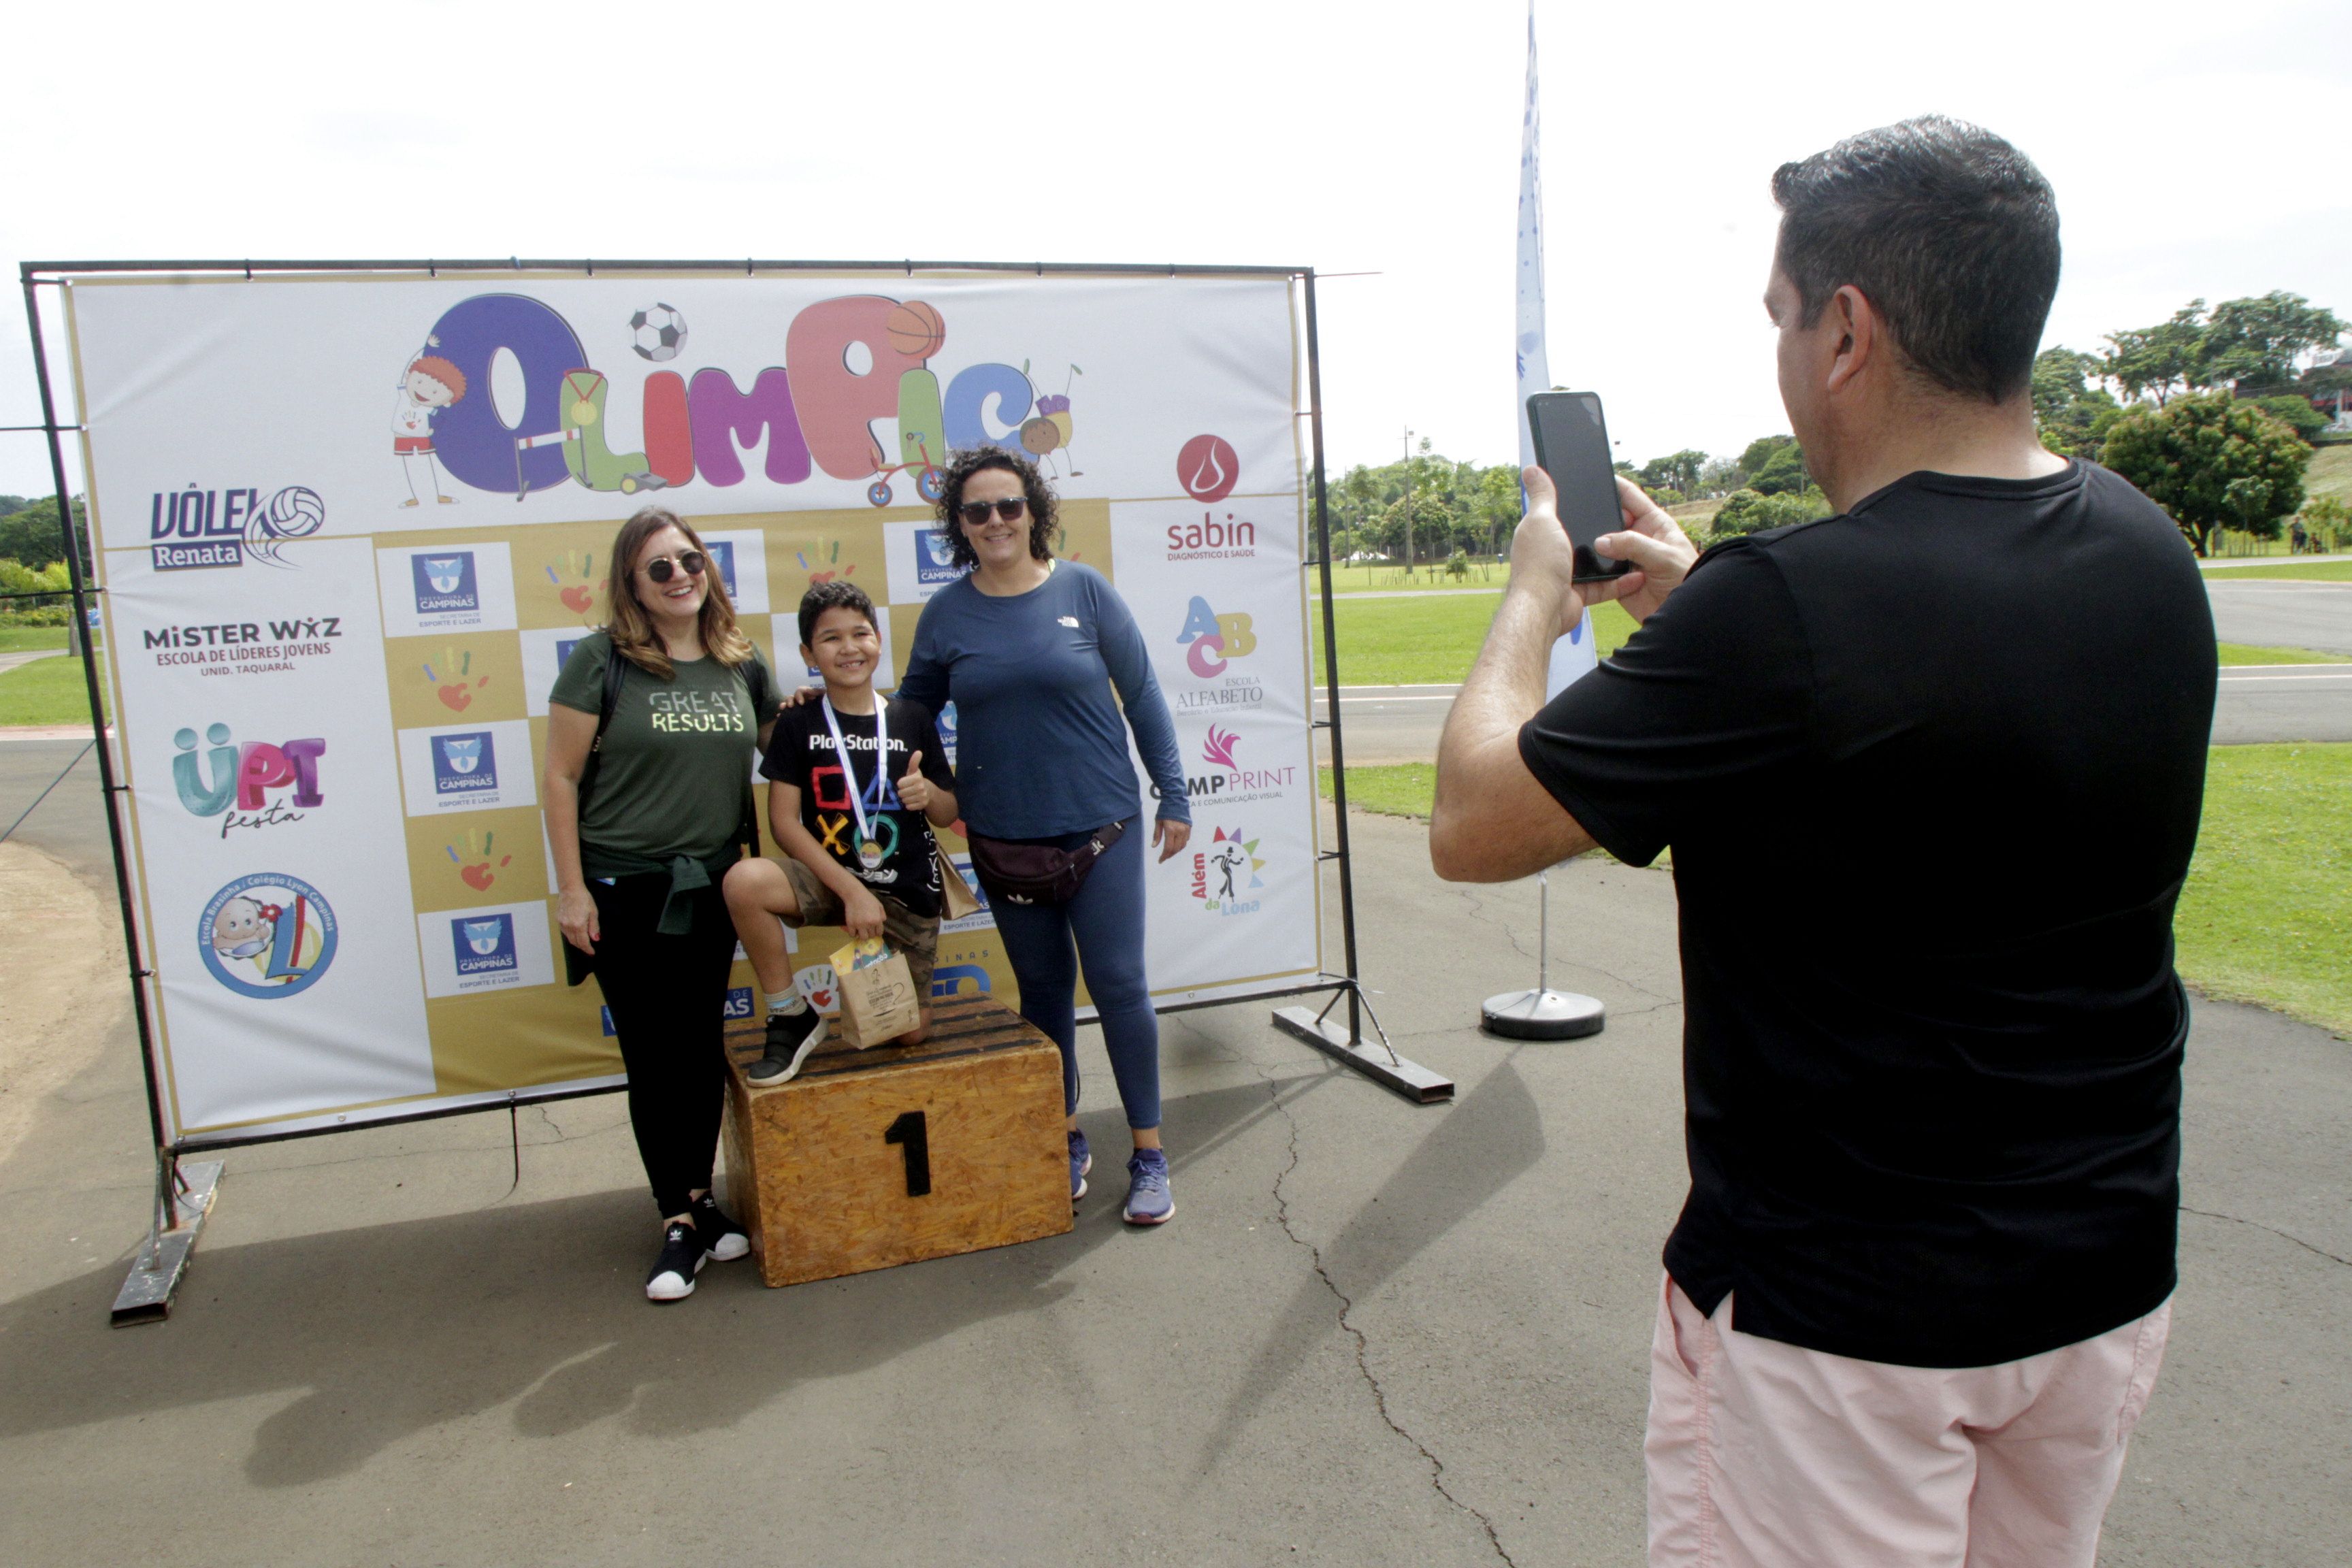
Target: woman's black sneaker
(728, 1241)
(681, 1259)
(790, 1038)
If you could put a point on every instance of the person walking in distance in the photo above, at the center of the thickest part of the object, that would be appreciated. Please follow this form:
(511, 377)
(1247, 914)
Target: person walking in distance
(1931, 771)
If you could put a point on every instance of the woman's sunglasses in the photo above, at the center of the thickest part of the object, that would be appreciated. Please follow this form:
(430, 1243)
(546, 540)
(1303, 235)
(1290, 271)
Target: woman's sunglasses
(975, 512)
(661, 568)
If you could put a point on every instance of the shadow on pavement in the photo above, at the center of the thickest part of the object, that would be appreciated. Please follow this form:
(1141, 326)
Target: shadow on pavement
(1482, 1145)
(389, 1330)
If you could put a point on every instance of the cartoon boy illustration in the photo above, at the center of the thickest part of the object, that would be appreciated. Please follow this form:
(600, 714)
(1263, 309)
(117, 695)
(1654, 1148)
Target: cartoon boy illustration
(429, 382)
(248, 929)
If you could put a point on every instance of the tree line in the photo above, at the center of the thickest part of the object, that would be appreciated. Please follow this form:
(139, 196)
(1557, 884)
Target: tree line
(2213, 414)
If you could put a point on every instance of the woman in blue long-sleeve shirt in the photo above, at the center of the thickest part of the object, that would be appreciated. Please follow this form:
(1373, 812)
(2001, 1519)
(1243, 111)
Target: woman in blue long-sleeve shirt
(1030, 649)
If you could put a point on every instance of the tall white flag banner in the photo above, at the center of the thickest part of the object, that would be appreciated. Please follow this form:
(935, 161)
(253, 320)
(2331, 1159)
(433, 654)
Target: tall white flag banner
(1571, 655)
(350, 525)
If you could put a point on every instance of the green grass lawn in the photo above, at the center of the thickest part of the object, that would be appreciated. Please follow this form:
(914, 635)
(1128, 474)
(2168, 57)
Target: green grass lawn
(2330, 473)
(2314, 570)
(1420, 642)
(2267, 914)
(2237, 653)
(24, 639)
(46, 691)
(1356, 577)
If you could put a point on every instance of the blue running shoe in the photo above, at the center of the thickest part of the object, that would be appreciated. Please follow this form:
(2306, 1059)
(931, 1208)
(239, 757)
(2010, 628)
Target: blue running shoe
(1148, 1201)
(1081, 1162)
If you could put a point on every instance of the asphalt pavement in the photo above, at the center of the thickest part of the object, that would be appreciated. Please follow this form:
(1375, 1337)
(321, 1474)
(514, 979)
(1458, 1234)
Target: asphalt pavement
(2281, 613)
(1375, 1333)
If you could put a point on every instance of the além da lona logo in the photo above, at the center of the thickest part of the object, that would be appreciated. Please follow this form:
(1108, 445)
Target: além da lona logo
(1225, 873)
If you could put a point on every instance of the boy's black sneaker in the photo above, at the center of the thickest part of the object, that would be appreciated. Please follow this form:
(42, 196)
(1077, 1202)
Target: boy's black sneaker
(681, 1259)
(790, 1038)
(724, 1240)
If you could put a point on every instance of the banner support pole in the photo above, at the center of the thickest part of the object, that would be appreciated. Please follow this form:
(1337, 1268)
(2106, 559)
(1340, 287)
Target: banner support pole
(1382, 1064)
(183, 1199)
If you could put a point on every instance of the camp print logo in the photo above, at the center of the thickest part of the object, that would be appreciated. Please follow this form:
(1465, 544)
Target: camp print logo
(1225, 875)
(267, 935)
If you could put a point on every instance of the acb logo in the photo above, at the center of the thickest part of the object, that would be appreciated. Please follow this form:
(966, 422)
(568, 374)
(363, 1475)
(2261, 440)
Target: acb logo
(1213, 640)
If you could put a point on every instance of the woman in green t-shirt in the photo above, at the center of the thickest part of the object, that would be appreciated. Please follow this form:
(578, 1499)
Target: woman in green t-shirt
(642, 841)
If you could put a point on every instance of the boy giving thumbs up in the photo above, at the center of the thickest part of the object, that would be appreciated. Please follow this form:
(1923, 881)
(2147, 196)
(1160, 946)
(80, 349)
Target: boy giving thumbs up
(855, 785)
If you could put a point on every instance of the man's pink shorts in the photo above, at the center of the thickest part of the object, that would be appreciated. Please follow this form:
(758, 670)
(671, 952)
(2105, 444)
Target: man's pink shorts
(1761, 1455)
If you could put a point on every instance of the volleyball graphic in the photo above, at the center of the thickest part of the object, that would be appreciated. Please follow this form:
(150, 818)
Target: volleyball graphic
(915, 329)
(657, 332)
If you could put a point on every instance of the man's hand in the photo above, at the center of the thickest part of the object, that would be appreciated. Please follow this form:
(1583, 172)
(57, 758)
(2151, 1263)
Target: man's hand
(1541, 551)
(1171, 837)
(914, 790)
(861, 914)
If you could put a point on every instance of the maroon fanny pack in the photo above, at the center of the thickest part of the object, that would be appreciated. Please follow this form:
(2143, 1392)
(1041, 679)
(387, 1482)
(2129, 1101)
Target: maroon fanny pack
(1038, 873)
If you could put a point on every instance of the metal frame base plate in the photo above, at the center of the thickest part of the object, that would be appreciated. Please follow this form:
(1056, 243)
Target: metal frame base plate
(146, 1295)
(1543, 1015)
(1410, 1079)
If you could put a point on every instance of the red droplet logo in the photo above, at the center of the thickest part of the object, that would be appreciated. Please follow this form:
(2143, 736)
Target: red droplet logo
(1207, 468)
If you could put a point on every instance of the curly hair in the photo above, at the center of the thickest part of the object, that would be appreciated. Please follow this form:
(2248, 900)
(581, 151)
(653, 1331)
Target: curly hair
(630, 624)
(1044, 523)
(839, 593)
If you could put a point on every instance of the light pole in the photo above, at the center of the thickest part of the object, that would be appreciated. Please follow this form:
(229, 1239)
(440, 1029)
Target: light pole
(1408, 503)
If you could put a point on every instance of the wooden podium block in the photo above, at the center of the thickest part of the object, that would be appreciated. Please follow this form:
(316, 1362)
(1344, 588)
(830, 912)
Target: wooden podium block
(870, 1159)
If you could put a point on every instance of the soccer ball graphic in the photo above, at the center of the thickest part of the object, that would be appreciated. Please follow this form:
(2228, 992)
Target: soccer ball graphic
(657, 332)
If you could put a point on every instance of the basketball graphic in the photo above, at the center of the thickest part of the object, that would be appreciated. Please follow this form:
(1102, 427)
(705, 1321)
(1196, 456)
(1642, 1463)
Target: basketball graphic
(915, 329)
(1207, 468)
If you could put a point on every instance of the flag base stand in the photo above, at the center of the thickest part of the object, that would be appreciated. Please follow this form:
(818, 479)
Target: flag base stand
(1543, 1013)
(1542, 1016)
(146, 1295)
(1345, 1042)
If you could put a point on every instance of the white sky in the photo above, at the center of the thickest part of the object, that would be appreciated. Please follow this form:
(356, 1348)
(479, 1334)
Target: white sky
(2189, 143)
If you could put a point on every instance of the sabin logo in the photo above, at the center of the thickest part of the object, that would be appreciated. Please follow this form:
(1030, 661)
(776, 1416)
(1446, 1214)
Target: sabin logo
(242, 776)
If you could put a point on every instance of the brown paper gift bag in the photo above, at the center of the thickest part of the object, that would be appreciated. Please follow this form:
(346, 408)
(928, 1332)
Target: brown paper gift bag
(878, 993)
(956, 897)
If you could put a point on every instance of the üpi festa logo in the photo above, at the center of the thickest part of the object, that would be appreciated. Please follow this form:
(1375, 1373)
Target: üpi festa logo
(267, 935)
(1225, 875)
(242, 777)
(195, 527)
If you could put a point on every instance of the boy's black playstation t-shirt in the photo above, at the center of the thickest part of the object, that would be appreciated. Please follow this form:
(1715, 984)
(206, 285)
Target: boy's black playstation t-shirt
(1931, 771)
(801, 752)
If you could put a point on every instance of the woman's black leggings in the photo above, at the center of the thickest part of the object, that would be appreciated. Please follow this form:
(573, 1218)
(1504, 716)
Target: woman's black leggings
(667, 994)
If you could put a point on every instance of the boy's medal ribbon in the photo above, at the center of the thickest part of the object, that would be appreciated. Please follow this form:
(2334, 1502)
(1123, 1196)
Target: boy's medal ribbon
(869, 852)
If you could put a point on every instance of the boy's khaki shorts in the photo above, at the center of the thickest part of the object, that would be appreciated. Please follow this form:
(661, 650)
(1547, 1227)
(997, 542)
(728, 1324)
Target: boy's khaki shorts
(917, 936)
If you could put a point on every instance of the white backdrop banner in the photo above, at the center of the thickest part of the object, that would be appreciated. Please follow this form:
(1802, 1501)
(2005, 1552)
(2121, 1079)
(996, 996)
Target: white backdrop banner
(351, 524)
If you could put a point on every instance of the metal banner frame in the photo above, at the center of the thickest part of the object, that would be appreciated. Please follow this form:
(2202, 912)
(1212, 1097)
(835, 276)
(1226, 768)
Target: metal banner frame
(185, 1189)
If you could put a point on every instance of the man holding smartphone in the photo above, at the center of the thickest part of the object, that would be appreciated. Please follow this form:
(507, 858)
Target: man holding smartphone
(1931, 771)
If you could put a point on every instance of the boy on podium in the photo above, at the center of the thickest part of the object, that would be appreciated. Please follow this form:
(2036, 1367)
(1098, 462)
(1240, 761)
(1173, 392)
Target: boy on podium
(855, 783)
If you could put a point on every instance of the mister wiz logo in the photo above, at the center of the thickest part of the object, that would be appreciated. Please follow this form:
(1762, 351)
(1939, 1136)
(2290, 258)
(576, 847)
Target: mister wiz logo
(242, 776)
(196, 526)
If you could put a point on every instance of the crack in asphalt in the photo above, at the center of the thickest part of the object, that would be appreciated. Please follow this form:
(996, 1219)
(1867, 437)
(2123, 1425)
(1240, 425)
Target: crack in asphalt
(1362, 1344)
(2240, 1219)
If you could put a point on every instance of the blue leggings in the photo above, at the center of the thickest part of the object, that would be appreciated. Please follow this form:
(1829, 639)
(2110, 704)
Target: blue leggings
(1107, 919)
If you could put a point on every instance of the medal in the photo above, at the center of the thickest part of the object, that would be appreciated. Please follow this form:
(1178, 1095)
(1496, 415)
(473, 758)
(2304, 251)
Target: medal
(870, 852)
(583, 413)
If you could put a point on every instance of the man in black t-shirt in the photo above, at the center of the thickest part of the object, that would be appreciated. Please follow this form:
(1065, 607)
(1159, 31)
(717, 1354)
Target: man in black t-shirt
(1931, 771)
(854, 783)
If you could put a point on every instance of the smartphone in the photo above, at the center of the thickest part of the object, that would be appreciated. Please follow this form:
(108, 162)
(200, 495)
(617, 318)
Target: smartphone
(1573, 446)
